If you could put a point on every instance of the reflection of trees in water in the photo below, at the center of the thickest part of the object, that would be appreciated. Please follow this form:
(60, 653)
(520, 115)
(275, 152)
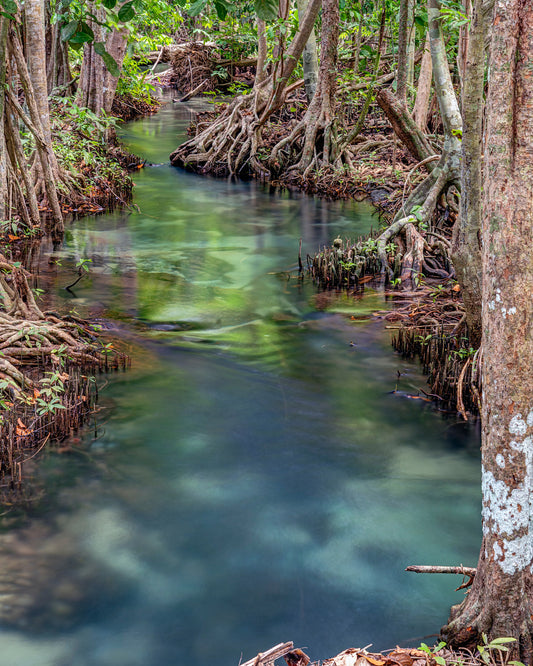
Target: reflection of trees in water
(47, 585)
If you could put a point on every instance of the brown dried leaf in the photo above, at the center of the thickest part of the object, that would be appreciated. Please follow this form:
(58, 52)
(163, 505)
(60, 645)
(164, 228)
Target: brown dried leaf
(400, 658)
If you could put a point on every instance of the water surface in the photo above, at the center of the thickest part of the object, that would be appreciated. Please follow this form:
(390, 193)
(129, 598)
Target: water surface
(255, 477)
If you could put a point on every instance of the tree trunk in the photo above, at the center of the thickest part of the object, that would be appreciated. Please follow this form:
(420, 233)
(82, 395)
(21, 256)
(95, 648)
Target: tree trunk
(58, 74)
(309, 57)
(36, 58)
(463, 46)
(404, 126)
(421, 108)
(320, 114)
(449, 108)
(466, 245)
(260, 72)
(4, 25)
(403, 49)
(44, 146)
(97, 86)
(358, 39)
(500, 602)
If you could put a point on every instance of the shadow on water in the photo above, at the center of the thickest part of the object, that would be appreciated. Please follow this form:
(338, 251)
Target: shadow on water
(255, 478)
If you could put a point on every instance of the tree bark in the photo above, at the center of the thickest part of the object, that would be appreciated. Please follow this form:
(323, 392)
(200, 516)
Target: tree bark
(405, 127)
(36, 58)
(466, 243)
(423, 92)
(309, 57)
(403, 49)
(97, 86)
(4, 25)
(44, 146)
(320, 114)
(501, 600)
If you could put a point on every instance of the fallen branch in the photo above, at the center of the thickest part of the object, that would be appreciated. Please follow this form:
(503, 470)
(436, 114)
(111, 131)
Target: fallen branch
(464, 571)
(192, 93)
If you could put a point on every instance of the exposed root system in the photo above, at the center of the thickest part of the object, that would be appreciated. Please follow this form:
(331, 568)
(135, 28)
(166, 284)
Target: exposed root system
(430, 324)
(45, 388)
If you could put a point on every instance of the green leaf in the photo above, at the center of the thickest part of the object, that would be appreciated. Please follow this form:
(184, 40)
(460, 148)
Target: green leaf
(196, 7)
(81, 38)
(221, 8)
(9, 6)
(126, 12)
(112, 68)
(504, 639)
(109, 4)
(67, 31)
(266, 9)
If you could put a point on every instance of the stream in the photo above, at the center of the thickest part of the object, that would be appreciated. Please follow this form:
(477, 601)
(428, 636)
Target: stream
(266, 470)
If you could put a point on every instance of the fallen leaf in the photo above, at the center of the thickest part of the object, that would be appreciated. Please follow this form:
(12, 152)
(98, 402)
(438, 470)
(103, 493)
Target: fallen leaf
(376, 662)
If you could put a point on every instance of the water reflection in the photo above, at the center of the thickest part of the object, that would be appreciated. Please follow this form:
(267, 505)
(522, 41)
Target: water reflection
(255, 480)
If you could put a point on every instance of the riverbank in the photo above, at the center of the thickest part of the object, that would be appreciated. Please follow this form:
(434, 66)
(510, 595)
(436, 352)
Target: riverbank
(49, 358)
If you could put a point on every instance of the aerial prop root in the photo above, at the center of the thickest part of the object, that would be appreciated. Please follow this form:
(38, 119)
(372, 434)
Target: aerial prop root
(418, 210)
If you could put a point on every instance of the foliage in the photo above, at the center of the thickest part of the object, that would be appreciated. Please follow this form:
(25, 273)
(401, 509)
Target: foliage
(133, 81)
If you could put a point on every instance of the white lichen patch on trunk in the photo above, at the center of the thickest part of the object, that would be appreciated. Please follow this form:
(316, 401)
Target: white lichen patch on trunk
(508, 511)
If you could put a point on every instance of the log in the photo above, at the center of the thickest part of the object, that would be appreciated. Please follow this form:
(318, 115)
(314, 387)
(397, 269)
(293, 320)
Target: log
(405, 127)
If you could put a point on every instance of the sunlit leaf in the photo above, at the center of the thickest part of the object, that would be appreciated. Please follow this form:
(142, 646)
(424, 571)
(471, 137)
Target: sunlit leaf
(126, 12)
(196, 7)
(266, 9)
(67, 31)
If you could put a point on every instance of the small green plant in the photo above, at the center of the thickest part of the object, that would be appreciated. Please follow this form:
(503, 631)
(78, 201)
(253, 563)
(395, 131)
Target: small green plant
(396, 282)
(348, 265)
(438, 291)
(498, 646)
(48, 400)
(82, 265)
(423, 339)
(462, 353)
(433, 652)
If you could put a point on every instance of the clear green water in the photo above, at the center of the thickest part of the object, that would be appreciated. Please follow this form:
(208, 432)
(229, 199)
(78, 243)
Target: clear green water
(254, 479)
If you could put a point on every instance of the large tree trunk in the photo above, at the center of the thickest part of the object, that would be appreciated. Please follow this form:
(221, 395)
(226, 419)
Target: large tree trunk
(36, 58)
(500, 602)
(97, 86)
(466, 246)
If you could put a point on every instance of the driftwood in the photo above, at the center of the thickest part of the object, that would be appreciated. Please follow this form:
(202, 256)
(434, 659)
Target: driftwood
(270, 656)
(464, 571)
